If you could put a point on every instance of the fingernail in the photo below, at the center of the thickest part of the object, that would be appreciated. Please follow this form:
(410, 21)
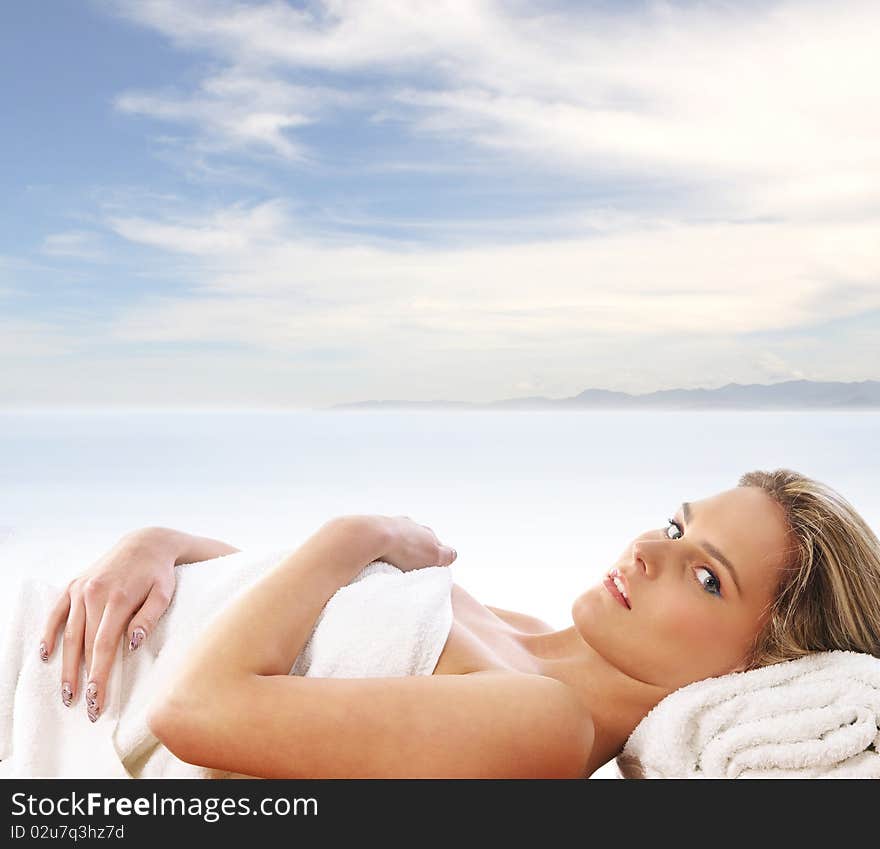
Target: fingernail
(92, 701)
(66, 694)
(454, 554)
(44, 653)
(137, 638)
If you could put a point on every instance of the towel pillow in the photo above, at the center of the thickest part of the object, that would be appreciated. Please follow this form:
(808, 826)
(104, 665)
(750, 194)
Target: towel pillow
(814, 717)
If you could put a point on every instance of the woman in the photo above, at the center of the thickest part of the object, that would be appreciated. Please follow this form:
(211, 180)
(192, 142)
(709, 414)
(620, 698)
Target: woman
(777, 567)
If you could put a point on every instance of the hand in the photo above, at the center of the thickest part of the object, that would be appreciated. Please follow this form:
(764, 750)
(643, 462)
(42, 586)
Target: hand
(125, 590)
(413, 546)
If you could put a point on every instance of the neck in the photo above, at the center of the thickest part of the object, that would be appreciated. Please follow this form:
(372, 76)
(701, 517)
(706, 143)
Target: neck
(615, 701)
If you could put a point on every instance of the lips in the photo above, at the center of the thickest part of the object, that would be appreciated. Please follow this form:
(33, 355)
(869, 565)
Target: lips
(615, 583)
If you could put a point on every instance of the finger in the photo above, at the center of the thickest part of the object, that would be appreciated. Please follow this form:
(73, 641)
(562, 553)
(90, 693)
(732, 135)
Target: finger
(144, 622)
(447, 555)
(53, 623)
(95, 603)
(103, 654)
(72, 648)
(442, 555)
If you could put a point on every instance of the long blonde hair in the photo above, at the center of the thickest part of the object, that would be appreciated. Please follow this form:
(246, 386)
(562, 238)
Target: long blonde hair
(829, 593)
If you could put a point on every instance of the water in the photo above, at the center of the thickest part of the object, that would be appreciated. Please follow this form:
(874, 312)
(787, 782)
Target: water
(537, 504)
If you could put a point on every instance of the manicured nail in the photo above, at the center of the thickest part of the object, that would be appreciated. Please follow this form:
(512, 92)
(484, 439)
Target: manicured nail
(66, 694)
(92, 701)
(454, 554)
(137, 638)
(44, 653)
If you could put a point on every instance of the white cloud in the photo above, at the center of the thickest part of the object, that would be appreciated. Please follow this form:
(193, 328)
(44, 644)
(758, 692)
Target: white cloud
(238, 109)
(226, 231)
(22, 338)
(763, 117)
(772, 109)
(278, 290)
(335, 34)
(18, 272)
(75, 244)
(776, 368)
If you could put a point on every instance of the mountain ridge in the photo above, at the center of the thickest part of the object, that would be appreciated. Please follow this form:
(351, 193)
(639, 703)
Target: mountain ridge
(787, 395)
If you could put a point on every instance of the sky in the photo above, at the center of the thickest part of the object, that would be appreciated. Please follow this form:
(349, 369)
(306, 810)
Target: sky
(300, 204)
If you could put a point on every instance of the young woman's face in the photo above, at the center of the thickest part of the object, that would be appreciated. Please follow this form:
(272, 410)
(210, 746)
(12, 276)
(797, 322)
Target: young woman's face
(690, 616)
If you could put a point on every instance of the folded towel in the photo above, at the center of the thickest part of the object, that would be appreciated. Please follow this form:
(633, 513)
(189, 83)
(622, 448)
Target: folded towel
(384, 623)
(813, 717)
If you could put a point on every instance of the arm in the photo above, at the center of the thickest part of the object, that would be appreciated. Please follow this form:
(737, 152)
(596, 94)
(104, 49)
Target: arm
(232, 704)
(263, 631)
(479, 725)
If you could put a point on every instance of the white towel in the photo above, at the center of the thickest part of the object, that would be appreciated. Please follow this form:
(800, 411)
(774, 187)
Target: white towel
(813, 717)
(384, 623)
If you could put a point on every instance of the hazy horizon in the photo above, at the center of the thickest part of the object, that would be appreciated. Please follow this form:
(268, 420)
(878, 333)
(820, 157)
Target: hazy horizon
(758, 400)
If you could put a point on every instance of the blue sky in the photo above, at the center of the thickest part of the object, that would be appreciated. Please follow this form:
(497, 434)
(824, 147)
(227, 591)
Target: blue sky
(300, 204)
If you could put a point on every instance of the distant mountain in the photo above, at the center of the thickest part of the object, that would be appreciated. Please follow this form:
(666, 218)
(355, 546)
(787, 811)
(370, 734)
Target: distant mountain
(789, 395)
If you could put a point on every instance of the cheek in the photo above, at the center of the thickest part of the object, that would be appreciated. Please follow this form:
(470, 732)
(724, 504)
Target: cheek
(695, 638)
(684, 620)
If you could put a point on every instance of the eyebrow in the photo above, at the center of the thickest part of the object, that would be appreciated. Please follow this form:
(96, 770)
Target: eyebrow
(686, 510)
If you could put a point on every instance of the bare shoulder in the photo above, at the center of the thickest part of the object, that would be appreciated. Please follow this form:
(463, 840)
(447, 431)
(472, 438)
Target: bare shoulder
(522, 621)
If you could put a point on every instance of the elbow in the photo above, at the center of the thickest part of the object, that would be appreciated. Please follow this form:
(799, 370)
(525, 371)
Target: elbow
(176, 729)
(163, 720)
(195, 722)
(159, 720)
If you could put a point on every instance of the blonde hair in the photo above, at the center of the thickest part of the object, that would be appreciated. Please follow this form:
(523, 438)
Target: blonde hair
(829, 591)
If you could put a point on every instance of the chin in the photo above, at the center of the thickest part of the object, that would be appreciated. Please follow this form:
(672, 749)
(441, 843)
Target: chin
(585, 610)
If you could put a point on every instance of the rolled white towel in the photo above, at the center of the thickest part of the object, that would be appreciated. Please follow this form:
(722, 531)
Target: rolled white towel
(814, 717)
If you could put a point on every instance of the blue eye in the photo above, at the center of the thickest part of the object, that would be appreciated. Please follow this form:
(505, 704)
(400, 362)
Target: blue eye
(712, 585)
(674, 525)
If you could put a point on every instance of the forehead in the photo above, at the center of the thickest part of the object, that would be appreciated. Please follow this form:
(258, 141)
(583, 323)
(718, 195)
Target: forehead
(748, 526)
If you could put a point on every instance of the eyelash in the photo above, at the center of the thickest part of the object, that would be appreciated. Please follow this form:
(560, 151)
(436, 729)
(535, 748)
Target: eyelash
(717, 592)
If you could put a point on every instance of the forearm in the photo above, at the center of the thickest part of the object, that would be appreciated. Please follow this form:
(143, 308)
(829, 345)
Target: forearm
(265, 628)
(178, 546)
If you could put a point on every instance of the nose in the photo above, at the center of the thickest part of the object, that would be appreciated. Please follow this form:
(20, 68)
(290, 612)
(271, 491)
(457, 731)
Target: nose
(641, 562)
(654, 555)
